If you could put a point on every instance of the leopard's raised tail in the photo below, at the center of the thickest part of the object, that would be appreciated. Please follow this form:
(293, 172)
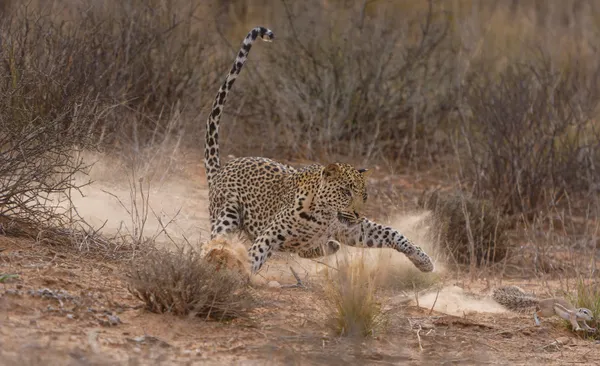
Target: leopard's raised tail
(212, 161)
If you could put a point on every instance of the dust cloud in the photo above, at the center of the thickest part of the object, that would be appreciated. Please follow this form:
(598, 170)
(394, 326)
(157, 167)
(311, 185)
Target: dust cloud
(454, 300)
(451, 299)
(121, 200)
(181, 205)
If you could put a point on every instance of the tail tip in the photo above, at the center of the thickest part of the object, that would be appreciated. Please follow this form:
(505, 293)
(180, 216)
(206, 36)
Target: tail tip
(266, 34)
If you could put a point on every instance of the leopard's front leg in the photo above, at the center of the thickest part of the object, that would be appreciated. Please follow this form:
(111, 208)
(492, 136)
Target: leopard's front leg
(263, 247)
(373, 235)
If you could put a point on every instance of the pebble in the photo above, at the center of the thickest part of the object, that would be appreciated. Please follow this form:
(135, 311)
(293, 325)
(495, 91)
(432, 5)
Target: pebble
(114, 320)
(274, 284)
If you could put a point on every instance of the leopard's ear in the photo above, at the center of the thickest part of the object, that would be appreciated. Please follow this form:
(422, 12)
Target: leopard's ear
(331, 171)
(365, 172)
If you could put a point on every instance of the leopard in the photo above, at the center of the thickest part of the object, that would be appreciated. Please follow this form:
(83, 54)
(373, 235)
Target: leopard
(309, 210)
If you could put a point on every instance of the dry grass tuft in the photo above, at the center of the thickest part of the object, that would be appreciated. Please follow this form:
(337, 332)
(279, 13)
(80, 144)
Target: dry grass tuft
(351, 299)
(470, 230)
(588, 296)
(182, 282)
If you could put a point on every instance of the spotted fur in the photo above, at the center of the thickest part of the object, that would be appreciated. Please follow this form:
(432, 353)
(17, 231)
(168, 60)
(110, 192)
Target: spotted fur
(281, 208)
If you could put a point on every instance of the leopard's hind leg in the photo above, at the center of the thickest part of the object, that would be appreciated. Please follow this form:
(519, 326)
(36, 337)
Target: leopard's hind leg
(225, 220)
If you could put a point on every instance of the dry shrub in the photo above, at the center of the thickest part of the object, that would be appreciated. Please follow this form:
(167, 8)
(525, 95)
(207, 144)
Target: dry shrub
(339, 81)
(77, 75)
(45, 122)
(470, 230)
(40, 170)
(561, 242)
(182, 282)
(352, 304)
(528, 134)
(147, 59)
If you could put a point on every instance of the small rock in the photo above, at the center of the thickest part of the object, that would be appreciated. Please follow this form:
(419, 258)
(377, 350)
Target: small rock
(150, 340)
(113, 320)
(563, 340)
(274, 284)
(427, 325)
(70, 316)
(137, 350)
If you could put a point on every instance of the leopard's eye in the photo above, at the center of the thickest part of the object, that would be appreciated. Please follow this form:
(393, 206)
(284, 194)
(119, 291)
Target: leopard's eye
(347, 192)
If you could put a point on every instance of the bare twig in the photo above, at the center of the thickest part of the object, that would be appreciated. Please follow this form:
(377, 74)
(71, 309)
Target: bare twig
(419, 338)
(298, 284)
(435, 301)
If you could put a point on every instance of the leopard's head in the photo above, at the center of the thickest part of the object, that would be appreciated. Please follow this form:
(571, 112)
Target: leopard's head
(343, 188)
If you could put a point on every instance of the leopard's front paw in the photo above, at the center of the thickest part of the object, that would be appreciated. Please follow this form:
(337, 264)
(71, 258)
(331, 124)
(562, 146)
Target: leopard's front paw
(422, 261)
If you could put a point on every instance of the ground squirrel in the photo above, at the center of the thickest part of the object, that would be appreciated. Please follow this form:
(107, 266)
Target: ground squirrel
(514, 298)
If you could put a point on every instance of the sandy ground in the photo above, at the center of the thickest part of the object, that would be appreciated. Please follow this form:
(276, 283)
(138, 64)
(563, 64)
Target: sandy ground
(68, 309)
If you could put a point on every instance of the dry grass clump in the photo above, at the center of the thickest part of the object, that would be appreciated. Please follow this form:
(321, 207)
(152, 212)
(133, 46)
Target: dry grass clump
(393, 272)
(588, 296)
(353, 307)
(182, 282)
(469, 229)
